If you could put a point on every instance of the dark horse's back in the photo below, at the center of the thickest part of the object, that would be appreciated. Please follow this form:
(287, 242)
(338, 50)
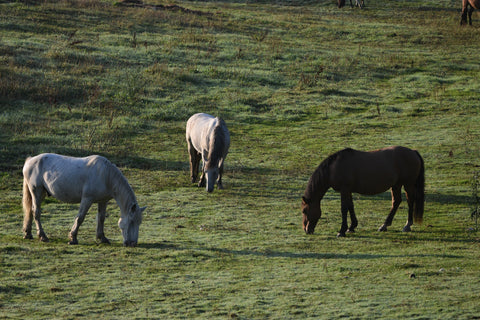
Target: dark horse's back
(376, 171)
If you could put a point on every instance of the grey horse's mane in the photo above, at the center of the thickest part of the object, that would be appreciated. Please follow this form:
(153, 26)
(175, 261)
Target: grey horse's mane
(217, 144)
(122, 189)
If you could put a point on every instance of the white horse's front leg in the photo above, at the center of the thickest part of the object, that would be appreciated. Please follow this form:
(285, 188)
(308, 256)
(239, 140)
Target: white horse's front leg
(82, 212)
(201, 183)
(220, 173)
(102, 211)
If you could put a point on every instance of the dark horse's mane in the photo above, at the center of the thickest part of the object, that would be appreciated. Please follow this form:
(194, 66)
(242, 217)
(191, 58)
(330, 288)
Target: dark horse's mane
(217, 144)
(319, 181)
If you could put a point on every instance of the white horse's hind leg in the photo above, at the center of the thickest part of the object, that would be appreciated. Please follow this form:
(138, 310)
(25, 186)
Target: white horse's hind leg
(102, 211)
(37, 197)
(27, 211)
(82, 212)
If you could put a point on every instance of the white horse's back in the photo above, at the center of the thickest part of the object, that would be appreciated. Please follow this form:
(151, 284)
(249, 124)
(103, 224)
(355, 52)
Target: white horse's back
(68, 179)
(199, 129)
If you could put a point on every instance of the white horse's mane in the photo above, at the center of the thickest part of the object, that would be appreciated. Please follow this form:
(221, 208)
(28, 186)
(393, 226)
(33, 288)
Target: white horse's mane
(216, 149)
(123, 192)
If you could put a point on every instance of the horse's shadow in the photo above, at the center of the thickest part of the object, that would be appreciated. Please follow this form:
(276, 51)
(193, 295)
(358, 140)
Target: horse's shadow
(291, 255)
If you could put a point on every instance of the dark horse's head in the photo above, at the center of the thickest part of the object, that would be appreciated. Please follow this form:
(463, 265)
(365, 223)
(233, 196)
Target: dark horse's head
(311, 214)
(341, 3)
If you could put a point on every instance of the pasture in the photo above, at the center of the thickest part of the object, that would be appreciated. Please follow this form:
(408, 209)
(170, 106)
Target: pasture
(294, 81)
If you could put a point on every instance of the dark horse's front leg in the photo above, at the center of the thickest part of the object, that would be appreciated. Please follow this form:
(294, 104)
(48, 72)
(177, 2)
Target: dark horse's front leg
(347, 205)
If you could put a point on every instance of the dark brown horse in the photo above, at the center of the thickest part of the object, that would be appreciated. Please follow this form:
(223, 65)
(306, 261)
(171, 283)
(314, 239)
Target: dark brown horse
(366, 173)
(358, 3)
(467, 8)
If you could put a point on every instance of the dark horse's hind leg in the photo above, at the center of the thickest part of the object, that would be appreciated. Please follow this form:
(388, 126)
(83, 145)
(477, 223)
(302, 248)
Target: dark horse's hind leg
(410, 191)
(347, 205)
(396, 200)
(470, 11)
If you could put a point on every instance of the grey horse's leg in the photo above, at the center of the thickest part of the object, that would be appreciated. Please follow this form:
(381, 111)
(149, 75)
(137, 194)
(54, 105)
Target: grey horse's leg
(202, 181)
(28, 213)
(37, 197)
(194, 161)
(82, 212)
(220, 173)
(102, 212)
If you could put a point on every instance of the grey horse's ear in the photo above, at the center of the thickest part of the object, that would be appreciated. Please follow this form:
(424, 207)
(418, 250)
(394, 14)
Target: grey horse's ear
(143, 209)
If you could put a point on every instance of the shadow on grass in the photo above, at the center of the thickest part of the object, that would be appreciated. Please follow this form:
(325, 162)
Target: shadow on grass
(294, 255)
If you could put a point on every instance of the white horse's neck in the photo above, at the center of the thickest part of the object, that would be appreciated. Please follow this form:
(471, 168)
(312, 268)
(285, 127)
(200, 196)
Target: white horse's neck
(122, 191)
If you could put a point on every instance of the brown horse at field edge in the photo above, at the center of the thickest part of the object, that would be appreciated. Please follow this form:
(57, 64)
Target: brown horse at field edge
(367, 173)
(358, 3)
(467, 8)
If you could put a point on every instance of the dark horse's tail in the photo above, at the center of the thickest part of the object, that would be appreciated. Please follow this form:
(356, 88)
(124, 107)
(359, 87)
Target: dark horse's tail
(419, 193)
(341, 3)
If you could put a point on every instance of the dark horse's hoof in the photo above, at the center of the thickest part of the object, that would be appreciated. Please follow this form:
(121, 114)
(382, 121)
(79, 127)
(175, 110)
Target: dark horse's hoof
(340, 234)
(104, 240)
(382, 228)
(407, 229)
(73, 242)
(28, 236)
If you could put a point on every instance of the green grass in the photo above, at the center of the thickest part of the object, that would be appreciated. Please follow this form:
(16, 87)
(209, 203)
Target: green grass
(295, 81)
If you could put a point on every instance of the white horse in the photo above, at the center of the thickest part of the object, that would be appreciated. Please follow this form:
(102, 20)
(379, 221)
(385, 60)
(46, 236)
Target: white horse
(88, 180)
(208, 138)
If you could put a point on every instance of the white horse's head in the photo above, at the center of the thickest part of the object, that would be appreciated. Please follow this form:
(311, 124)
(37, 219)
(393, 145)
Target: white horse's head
(130, 223)
(211, 175)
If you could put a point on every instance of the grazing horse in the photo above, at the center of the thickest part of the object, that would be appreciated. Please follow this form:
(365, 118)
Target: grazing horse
(88, 180)
(208, 139)
(467, 7)
(366, 173)
(358, 3)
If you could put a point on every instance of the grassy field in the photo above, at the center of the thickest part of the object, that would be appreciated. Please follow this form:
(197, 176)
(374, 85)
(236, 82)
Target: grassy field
(295, 81)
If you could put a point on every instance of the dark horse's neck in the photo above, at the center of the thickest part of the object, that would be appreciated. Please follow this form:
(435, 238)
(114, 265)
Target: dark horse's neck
(319, 181)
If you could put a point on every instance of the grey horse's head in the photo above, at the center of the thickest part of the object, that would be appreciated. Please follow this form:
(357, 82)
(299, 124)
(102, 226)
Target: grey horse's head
(130, 223)
(211, 175)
